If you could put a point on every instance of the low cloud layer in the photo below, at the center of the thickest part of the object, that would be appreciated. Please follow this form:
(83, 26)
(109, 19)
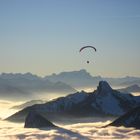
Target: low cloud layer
(83, 131)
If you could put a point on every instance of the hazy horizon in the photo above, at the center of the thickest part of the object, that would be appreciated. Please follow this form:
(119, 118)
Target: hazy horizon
(57, 73)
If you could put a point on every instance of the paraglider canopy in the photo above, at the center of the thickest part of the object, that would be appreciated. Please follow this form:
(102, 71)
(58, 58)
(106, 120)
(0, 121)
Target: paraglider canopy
(81, 49)
(87, 47)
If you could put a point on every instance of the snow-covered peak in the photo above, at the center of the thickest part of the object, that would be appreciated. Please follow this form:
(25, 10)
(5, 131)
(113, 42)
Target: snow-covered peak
(104, 87)
(106, 100)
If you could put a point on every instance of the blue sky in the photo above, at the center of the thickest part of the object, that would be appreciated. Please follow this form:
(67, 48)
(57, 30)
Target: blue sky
(44, 36)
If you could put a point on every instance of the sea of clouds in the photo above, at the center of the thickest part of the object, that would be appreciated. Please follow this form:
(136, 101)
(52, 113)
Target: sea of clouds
(79, 131)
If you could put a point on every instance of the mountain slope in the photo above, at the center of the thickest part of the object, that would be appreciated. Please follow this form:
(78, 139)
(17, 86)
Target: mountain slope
(130, 119)
(102, 102)
(109, 101)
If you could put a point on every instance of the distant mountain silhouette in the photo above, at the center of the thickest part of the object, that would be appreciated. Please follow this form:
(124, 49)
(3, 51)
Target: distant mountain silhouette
(76, 79)
(102, 102)
(131, 81)
(82, 78)
(132, 88)
(23, 85)
(130, 119)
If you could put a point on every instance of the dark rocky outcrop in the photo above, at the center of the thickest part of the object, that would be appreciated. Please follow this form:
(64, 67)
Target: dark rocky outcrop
(130, 119)
(35, 120)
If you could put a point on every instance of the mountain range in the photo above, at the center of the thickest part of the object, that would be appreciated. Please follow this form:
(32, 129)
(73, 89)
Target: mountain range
(104, 101)
(82, 78)
(25, 85)
(76, 79)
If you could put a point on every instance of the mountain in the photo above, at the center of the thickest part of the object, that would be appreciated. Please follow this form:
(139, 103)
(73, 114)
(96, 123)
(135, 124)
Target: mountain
(82, 78)
(104, 101)
(110, 101)
(76, 79)
(35, 120)
(130, 119)
(24, 85)
(132, 88)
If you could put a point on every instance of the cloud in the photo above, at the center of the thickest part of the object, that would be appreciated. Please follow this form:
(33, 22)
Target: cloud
(82, 131)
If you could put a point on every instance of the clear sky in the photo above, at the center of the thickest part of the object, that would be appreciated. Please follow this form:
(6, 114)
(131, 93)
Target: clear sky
(44, 36)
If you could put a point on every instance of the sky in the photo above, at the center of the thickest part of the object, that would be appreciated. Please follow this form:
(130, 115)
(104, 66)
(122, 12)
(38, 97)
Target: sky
(44, 36)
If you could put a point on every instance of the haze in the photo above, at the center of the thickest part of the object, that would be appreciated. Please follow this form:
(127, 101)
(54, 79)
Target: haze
(44, 37)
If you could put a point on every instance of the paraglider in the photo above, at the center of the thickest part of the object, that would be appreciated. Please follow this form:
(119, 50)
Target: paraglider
(81, 49)
(87, 47)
